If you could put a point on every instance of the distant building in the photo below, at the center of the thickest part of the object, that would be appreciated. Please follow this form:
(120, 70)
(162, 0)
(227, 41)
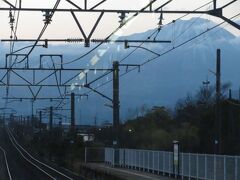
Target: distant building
(106, 125)
(87, 137)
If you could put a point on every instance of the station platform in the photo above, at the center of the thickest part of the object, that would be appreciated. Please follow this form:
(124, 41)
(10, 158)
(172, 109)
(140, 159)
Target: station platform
(102, 169)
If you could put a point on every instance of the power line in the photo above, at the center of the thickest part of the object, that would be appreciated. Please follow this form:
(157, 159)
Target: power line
(47, 22)
(143, 43)
(166, 25)
(12, 45)
(154, 58)
(13, 32)
(110, 35)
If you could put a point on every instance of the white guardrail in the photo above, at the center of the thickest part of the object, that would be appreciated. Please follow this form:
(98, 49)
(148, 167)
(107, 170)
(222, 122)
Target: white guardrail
(197, 166)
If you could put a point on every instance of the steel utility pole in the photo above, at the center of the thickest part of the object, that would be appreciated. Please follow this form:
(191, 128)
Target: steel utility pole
(72, 111)
(51, 118)
(214, 4)
(116, 103)
(218, 120)
(40, 120)
(32, 103)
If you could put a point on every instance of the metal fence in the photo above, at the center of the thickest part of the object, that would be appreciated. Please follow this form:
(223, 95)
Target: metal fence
(197, 166)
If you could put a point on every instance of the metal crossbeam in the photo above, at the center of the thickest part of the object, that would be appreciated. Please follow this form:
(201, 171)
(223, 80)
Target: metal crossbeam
(92, 40)
(87, 38)
(11, 5)
(37, 98)
(98, 4)
(105, 11)
(55, 69)
(72, 3)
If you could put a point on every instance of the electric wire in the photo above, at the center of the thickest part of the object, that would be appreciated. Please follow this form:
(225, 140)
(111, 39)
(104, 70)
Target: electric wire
(43, 30)
(55, 74)
(149, 37)
(110, 35)
(13, 32)
(154, 58)
(167, 25)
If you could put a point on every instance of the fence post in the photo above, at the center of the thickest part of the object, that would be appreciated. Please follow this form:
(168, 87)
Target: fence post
(214, 167)
(139, 157)
(236, 168)
(189, 166)
(130, 158)
(128, 161)
(113, 157)
(205, 166)
(153, 154)
(133, 158)
(224, 168)
(135, 164)
(124, 158)
(143, 162)
(182, 165)
(197, 166)
(169, 164)
(85, 155)
(148, 160)
(158, 166)
(164, 163)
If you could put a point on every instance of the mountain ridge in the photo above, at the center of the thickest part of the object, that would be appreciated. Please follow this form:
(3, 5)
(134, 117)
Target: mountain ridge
(166, 79)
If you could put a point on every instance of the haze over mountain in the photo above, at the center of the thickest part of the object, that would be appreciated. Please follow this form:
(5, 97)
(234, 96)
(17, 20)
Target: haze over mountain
(161, 82)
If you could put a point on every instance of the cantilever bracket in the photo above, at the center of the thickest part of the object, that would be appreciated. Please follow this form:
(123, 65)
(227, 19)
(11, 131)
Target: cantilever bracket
(138, 66)
(99, 93)
(34, 95)
(8, 65)
(218, 12)
(72, 3)
(98, 4)
(11, 5)
(87, 38)
(163, 5)
(231, 22)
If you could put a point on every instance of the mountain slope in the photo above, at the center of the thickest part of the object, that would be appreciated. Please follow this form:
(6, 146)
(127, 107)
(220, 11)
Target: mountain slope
(164, 80)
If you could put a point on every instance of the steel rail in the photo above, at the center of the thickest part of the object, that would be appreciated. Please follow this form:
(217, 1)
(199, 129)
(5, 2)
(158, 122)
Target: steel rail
(49, 167)
(28, 159)
(6, 163)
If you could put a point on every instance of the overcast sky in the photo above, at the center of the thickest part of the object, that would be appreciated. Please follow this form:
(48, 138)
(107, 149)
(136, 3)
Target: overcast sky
(63, 25)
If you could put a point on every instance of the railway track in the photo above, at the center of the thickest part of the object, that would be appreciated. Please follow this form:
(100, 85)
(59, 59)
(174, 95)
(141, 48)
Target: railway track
(50, 172)
(6, 163)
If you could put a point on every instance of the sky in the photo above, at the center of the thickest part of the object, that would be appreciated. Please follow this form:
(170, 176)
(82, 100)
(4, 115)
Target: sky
(63, 25)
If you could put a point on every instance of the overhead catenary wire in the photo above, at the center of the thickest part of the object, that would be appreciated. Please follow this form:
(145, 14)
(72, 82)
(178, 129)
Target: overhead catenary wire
(139, 46)
(59, 90)
(14, 32)
(156, 31)
(110, 35)
(168, 51)
(43, 30)
(136, 48)
(153, 59)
